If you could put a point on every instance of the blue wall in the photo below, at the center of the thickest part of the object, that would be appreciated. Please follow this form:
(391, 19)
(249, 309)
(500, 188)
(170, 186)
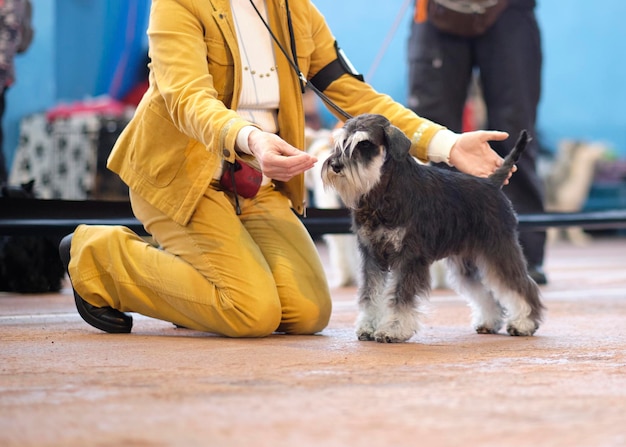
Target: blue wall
(370, 32)
(78, 42)
(584, 89)
(35, 86)
(81, 49)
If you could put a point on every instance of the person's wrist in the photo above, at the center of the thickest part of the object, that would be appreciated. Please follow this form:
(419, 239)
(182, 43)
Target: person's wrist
(441, 145)
(451, 154)
(252, 140)
(243, 139)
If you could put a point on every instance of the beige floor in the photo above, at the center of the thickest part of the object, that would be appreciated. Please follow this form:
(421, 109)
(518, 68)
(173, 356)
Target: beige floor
(63, 383)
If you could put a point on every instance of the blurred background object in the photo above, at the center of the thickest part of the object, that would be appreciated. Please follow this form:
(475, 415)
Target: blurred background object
(89, 48)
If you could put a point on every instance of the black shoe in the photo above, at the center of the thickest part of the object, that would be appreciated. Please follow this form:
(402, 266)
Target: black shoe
(538, 275)
(106, 319)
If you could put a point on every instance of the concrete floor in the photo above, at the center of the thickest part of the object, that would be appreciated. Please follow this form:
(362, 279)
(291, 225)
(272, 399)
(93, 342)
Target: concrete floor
(63, 383)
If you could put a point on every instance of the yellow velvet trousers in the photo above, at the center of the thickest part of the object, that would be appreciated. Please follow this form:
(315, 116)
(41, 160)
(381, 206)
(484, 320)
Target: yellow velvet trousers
(238, 276)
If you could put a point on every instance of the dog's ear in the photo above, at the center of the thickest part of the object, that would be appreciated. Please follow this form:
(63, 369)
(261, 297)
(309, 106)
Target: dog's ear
(398, 144)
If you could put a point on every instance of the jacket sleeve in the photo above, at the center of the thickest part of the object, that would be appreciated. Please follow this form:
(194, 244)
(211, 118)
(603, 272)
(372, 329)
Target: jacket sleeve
(182, 55)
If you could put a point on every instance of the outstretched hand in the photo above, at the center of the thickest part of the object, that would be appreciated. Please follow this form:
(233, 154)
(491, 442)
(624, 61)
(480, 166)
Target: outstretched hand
(472, 154)
(277, 158)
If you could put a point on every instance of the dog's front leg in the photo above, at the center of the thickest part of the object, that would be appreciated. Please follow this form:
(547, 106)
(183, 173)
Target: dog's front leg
(400, 319)
(371, 295)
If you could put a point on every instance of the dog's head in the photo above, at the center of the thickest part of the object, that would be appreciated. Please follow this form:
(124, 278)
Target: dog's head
(361, 148)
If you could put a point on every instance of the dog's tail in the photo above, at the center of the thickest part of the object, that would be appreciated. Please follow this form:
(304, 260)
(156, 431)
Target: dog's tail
(502, 173)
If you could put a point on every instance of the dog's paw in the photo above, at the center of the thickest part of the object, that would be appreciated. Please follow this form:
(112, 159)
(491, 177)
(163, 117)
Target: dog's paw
(483, 329)
(397, 327)
(489, 323)
(366, 323)
(364, 335)
(522, 328)
(384, 337)
(395, 332)
(365, 330)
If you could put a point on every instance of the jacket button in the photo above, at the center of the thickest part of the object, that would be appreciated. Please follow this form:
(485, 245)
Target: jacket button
(226, 153)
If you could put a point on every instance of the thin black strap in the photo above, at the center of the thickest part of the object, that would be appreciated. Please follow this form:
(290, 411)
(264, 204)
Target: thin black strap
(282, 49)
(303, 81)
(232, 167)
(329, 101)
(292, 42)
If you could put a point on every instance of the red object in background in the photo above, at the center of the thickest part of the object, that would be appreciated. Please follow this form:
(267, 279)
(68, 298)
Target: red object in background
(102, 105)
(469, 119)
(136, 93)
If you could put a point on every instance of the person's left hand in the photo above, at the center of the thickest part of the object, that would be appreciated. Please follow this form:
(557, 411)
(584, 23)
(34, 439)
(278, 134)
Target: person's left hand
(472, 154)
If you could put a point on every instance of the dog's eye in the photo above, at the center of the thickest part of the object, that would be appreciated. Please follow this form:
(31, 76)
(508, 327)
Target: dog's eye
(365, 146)
(367, 149)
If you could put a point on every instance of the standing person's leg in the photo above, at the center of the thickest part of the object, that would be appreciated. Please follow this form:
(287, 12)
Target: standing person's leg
(440, 70)
(4, 178)
(509, 58)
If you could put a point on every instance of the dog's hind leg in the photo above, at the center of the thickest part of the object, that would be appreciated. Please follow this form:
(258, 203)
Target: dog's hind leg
(516, 292)
(371, 297)
(487, 314)
(405, 286)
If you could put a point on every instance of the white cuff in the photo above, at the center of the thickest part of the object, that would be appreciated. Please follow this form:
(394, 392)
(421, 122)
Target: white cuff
(440, 146)
(242, 139)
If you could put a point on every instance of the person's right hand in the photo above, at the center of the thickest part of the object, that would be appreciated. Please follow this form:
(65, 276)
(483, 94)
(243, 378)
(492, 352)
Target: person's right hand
(277, 158)
(473, 155)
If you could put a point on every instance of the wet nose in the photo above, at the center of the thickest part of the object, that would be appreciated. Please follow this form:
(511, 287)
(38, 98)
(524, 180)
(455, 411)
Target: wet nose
(336, 166)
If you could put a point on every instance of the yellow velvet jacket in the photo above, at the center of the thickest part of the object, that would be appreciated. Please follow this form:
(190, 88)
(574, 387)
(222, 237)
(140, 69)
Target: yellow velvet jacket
(185, 126)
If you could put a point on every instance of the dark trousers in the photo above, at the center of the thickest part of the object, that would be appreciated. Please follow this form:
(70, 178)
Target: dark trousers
(508, 58)
(3, 166)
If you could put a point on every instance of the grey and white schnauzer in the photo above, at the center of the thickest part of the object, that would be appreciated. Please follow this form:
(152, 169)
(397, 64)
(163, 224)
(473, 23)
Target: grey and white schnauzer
(406, 216)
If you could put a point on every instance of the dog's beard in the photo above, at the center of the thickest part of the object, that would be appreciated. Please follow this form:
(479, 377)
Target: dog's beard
(354, 166)
(354, 180)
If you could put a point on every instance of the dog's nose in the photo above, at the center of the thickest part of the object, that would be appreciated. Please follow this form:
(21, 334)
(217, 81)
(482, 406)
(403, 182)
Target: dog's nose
(336, 166)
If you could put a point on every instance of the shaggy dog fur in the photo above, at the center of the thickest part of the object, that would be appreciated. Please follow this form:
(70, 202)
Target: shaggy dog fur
(406, 216)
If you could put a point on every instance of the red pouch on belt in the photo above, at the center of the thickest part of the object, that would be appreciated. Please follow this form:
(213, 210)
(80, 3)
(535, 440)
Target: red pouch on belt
(241, 178)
